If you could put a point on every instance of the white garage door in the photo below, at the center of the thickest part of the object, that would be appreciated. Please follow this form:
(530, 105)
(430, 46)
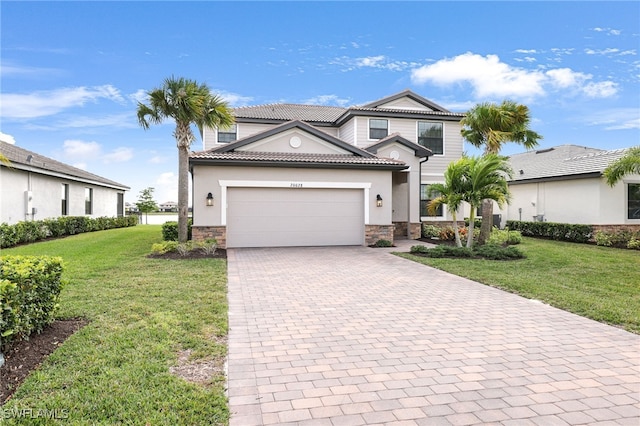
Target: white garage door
(278, 217)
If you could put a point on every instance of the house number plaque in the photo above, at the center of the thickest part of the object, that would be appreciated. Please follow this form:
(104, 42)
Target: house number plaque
(295, 185)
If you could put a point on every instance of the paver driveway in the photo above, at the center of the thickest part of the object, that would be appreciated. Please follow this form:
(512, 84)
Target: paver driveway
(353, 335)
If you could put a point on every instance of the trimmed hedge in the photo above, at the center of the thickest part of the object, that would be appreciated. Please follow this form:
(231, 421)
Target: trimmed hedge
(170, 230)
(31, 231)
(552, 230)
(29, 291)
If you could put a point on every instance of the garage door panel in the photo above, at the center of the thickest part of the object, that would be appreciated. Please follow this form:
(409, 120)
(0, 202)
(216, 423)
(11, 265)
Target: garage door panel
(272, 217)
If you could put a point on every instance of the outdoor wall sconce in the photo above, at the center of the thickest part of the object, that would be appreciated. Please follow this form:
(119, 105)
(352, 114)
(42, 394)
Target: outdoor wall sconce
(378, 201)
(209, 199)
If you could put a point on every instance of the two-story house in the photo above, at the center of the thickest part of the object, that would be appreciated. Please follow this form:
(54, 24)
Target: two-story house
(309, 175)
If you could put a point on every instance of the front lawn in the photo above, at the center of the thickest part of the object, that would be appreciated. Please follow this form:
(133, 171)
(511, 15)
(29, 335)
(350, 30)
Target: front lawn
(596, 282)
(143, 314)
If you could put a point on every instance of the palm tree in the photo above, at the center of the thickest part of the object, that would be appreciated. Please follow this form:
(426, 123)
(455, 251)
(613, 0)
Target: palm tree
(490, 126)
(451, 192)
(186, 102)
(487, 180)
(626, 165)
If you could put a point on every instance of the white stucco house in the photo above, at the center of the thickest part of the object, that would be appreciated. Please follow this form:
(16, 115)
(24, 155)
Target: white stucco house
(309, 175)
(35, 187)
(564, 184)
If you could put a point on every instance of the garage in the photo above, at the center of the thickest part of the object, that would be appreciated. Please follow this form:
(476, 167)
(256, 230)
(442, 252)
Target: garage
(278, 217)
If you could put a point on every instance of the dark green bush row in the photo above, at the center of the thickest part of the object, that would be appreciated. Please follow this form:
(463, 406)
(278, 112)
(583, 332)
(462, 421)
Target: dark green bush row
(488, 251)
(170, 230)
(31, 231)
(29, 290)
(552, 230)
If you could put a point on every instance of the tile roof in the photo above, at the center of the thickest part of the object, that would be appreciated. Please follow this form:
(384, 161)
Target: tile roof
(564, 161)
(333, 114)
(289, 112)
(300, 158)
(22, 159)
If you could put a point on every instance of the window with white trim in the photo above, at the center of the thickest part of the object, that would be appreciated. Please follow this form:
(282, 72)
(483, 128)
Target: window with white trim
(425, 200)
(430, 135)
(65, 200)
(378, 128)
(227, 134)
(633, 201)
(88, 201)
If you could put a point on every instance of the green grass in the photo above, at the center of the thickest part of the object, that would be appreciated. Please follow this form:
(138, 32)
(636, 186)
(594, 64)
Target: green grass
(600, 283)
(142, 312)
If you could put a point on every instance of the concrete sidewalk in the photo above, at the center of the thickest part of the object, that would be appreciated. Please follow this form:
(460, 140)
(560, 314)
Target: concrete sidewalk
(354, 335)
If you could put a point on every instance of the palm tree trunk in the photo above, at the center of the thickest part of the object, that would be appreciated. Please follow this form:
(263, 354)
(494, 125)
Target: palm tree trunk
(455, 230)
(487, 221)
(472, 219)
(183, 193)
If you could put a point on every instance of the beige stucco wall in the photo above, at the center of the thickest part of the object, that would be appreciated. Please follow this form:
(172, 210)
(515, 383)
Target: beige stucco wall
(580, 201)
(244, 130)
(207, 179)
(284, 142)
(47, 196)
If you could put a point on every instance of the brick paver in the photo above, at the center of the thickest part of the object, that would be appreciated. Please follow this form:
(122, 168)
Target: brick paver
(354, 335)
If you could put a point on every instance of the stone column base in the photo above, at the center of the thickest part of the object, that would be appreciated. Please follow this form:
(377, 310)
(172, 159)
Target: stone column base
(373, 233)
(219, 233)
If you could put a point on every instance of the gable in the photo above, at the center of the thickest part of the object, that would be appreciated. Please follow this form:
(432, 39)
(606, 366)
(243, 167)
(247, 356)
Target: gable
(405, 103)
(294, 140)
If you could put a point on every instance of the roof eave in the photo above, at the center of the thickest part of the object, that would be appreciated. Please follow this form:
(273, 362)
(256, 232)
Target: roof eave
(589, 175)
(292, 164)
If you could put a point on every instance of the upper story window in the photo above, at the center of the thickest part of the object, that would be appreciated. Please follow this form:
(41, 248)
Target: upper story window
(430, 136)
(227, 134)
(378, 128)
(633, 201)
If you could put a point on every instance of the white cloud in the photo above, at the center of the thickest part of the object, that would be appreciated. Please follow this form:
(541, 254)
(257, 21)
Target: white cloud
(44, 103)
(327, 100)
(82, 166)
(9, 69)
(126, 120)
(7, 138)
(119, 155)
(139, 95)
(526, 51)
(83, 151)
(565, 77)
(77, 149)
(487, 75)
(233, 99)
(491, 78)
(603, 89)
(609, 31)
(607, 51)
(376, 62)
(615, 119)
(157, 160)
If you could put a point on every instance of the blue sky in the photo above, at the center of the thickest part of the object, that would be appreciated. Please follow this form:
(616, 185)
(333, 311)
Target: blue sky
(72, 72)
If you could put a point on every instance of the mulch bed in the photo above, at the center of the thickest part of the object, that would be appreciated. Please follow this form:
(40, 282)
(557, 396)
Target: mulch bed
(194, 254)
(26, 355)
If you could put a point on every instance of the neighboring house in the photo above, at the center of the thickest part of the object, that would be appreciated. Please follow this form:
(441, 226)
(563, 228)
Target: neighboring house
(564, 184)
(169, 206)
(36, 187)
(307, 175)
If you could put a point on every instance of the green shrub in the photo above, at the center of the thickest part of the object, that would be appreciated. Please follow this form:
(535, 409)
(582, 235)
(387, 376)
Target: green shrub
(419, 249)
(383, 243)
(603, 239)
(504, 237)
(170, 230)
(496, 252)
(164, 247)
(430, 231)
(552, 230)
(449, 251)
(634, 243)
(29, 291)
(31, 231)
